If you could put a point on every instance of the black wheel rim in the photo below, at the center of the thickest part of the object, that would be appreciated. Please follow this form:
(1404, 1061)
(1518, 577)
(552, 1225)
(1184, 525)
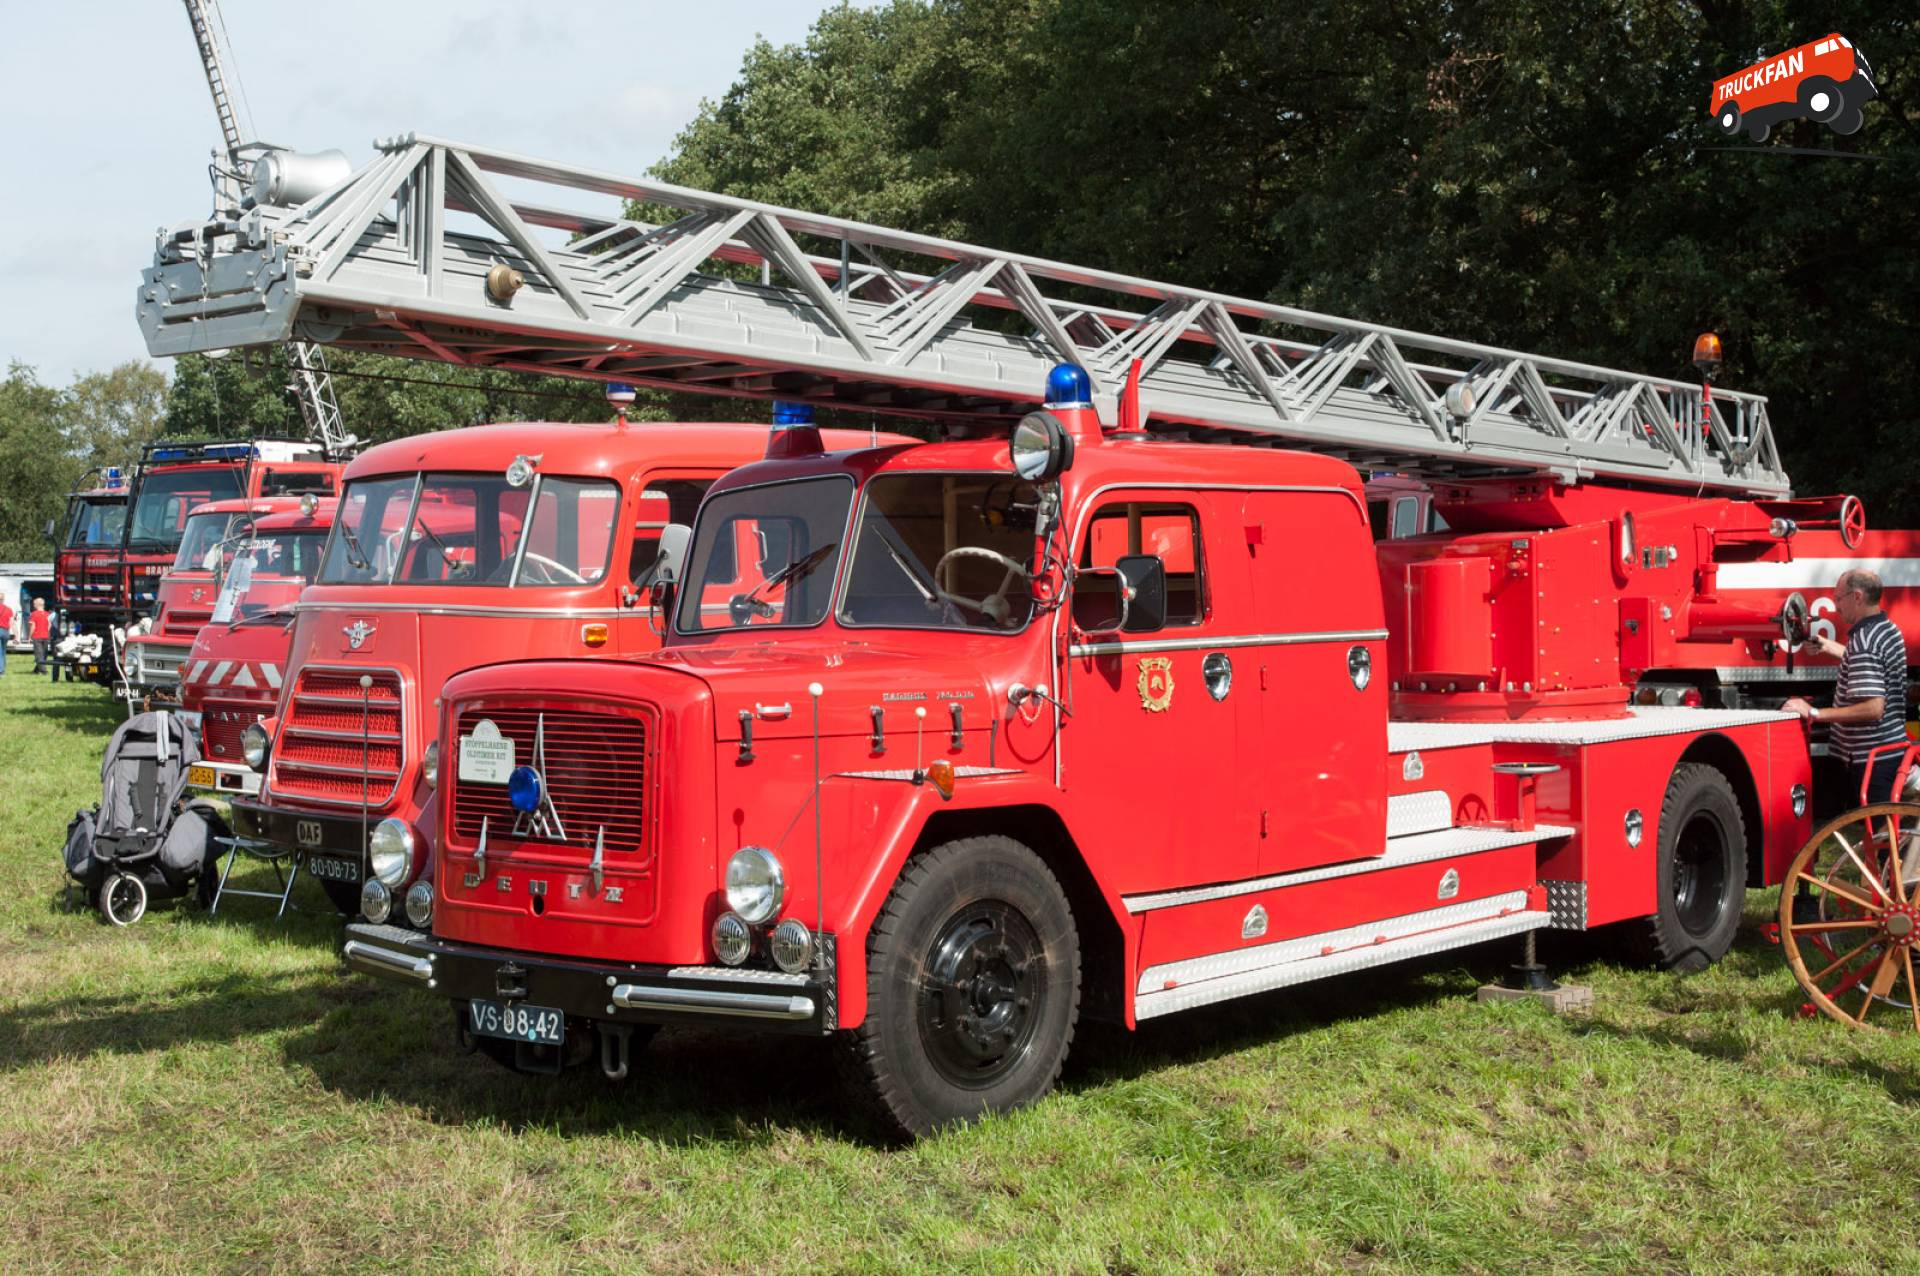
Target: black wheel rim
(1700, 875)
(982, 986)
(122, 899)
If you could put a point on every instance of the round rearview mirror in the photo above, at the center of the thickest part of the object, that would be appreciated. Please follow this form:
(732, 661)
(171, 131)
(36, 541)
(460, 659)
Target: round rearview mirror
(1041, 447)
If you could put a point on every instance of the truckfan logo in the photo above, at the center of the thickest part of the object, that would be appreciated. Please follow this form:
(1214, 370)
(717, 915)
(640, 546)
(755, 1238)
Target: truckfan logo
(357, 634)
(1827, 81)
(1156, 683)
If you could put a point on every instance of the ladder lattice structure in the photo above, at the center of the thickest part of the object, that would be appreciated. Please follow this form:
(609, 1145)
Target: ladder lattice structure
(312, 384)
(423, 253)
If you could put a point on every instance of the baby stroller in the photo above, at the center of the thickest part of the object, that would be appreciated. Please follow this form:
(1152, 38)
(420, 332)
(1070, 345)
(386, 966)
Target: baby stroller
(145, 839)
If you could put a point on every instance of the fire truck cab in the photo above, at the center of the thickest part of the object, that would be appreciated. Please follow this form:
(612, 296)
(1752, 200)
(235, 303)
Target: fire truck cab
(1008, 732)
(89, 582)
(472, 547)
(231, 677)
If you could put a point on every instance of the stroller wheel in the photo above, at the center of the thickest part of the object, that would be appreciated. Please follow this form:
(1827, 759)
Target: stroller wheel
(123, 899)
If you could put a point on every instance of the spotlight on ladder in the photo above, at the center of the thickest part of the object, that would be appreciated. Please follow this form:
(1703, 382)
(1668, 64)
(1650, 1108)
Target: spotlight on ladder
(1461, 400)
(621, 396)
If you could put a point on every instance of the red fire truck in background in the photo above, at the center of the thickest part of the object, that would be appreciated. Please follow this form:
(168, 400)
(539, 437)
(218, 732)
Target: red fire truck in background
(437, 566)
(232, 675)
(90, 585)
(1826, 81)
(184, 600)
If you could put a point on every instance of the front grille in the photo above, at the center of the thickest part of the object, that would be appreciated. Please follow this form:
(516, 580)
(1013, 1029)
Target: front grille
(221, 722)
(319, 754)
(594, 767)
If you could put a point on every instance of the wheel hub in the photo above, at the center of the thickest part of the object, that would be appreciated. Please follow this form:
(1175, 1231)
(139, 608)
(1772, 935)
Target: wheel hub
(978, 994)
(1901, 923)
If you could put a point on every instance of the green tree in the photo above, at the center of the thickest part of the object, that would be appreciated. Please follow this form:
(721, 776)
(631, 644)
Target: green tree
(37, 468)
(109, 416)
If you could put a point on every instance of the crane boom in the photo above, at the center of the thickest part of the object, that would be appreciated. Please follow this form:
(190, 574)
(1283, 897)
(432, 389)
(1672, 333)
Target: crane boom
(312, 383)
(421, 254)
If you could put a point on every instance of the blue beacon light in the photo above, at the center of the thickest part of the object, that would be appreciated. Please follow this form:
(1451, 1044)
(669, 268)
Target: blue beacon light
(523, 789)
(1068, 386)
(786, 412)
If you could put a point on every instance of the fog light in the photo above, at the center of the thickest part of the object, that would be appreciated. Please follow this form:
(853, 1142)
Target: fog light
(376, 901)
(732, 939)
(253, 746)
(755, 884)
(1798, 793)
(420, 904)
(391, 851)
(792, 945)
(430, 764)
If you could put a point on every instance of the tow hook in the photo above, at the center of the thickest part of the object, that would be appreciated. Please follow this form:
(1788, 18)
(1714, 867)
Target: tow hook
(616, 1040)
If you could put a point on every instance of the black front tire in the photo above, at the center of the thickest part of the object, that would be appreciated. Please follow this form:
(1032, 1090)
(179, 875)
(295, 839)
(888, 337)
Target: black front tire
(1700, 873)
(1822, 99)
(973, 989)
(1728, 120)
(123, 899)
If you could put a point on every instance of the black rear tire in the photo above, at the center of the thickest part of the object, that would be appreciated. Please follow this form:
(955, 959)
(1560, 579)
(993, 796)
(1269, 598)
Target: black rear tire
(973, 989)
(1700, 871)
(1848, 122)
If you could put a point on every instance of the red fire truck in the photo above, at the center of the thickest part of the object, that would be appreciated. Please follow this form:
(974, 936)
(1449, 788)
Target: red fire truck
(1826, 81)
(232, 676)
(215, 534)
(436, 566)
(174, 479)
(89, 581)
(1113, 708)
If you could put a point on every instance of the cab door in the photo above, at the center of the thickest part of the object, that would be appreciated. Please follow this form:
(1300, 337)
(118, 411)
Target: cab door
(1151, 758)
(664, 496)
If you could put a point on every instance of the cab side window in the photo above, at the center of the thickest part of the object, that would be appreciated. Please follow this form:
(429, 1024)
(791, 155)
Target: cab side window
(662, 501)
(1170, 532)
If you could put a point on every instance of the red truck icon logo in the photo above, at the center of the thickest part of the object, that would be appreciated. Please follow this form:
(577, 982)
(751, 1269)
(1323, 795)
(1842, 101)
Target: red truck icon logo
(1827, 81)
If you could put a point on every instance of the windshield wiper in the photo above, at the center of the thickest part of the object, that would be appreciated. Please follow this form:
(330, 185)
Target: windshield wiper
(269, 613)
(742, 607)
(446, 555)
(356, 557)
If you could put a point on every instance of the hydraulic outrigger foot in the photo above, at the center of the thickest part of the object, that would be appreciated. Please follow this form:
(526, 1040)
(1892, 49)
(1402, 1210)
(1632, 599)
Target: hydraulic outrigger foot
(1527, 980)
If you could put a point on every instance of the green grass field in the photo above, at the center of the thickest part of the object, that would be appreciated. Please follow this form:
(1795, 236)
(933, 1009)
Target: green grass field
(200, 1094)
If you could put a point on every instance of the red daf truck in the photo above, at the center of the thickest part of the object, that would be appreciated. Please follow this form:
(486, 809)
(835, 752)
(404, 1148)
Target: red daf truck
(89, 579)
(1073, 724)
(184, 600)
(231, 677)
(434, 567)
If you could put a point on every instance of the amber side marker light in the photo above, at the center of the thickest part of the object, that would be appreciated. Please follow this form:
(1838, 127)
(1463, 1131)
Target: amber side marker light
(593, 635)
(940, 775)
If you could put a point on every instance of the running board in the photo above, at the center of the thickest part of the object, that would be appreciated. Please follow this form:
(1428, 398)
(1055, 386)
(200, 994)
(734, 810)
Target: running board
(1201, 981)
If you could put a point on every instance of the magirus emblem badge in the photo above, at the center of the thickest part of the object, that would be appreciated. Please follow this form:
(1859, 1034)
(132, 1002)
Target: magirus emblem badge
(357, 634)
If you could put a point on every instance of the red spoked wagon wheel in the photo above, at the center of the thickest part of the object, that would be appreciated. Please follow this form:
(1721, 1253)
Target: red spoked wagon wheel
(1853, 522)
(1850, 919)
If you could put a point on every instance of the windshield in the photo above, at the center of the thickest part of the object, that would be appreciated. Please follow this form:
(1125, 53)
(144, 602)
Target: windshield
(943, 551)
(96, 523)
(201, 541)
(160, 511)
(765, 556)
(472, 529)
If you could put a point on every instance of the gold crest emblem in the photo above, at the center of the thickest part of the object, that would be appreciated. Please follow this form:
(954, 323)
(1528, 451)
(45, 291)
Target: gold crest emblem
(1156, 683)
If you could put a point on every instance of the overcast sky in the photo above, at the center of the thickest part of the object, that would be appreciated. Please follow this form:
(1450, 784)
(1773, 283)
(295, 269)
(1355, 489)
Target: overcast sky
(108, 125)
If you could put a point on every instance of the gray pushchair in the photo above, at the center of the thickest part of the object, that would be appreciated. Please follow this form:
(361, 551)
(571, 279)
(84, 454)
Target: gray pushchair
(147, 839)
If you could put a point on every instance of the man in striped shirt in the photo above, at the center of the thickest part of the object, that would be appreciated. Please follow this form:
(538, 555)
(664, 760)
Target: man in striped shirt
(1870, 696)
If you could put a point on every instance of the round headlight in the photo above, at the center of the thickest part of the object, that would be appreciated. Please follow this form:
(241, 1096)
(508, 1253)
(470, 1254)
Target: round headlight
(420, 904)
(253, 746)
(376, 901)
(391, 850)
(732, 940)
(792, 945)
(430, 764)
(755, 884)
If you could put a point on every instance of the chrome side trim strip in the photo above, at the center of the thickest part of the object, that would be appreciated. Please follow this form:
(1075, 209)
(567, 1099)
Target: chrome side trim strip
(714, 1001)
(462, 609)
(1770, 673)
(1414, 848)
(1205, 980)
(384, 961)
(1221, 642)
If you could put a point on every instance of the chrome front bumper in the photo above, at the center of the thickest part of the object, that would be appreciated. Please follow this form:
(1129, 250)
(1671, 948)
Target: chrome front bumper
(767, 999)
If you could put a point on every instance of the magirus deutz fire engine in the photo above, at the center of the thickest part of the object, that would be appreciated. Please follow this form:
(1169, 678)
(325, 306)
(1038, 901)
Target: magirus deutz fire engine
(480, 545)
(232, 675)
(1107, 704)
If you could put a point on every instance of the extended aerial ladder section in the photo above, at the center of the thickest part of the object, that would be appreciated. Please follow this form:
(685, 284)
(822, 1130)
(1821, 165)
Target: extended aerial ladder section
(423, 254)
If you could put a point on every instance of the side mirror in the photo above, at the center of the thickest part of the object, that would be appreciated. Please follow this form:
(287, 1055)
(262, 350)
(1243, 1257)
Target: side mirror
(1128, 598)
(50, 523)
(672, 555)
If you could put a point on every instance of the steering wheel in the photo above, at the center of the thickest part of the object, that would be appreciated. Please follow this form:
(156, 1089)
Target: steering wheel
(994, 607)
(553, 573)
